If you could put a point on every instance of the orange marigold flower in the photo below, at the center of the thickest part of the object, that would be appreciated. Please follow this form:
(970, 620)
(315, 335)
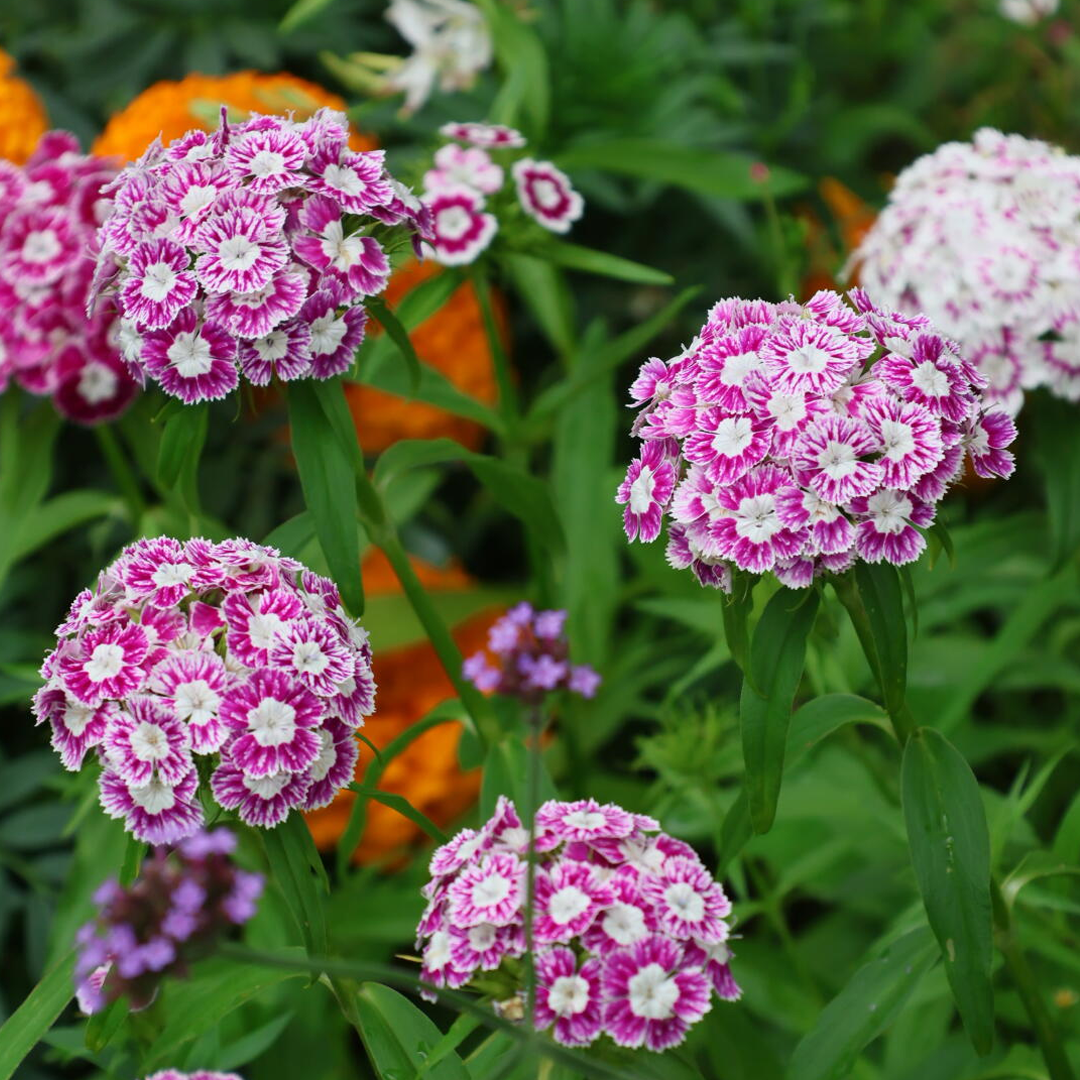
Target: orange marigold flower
(170, 108)
(411, 683)
(22, 116)
(454, 342)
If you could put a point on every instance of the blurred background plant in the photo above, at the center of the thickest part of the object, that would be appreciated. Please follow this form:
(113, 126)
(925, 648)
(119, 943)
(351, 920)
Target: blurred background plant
(742, 147)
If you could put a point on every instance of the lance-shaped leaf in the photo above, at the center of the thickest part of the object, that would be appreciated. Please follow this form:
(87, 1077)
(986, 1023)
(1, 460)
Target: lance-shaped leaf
(25, 1027)
(950, 850)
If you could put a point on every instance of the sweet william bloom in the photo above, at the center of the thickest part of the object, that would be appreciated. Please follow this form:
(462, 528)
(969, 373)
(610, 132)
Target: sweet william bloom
(629, 927)
(546, 195)
(645, 491)
(249, 673)
(192, 360)
(485, 136)
(467, 166)
(804, 437)
(461, 229)
(181, 904)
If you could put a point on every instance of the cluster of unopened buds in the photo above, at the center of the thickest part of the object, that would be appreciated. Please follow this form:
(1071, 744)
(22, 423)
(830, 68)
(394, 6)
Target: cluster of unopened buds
(985, 238)
(528, 657)
(50, 211)
(470, 170)
(629, 929)
(181, 904)
(222, 655)
(251, 250)
(799, 438)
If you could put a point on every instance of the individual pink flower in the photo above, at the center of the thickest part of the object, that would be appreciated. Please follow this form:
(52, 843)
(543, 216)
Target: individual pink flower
(159, 284)
(106, 663)
(546, 194)
(886, 529)
(483, 947)
(467, 166)
(92, 385)
(716, 962)
(830, 456)
(255, 623)
(285, 352)
(156, 571)
(585, 820)
(76, 726)
(686, 902)
(356, 181)
(143, 740)
(335, 336)
(646, 491)
(192, 683)
(568, 998)
(261, 801)
(486, 136)
(910, 437)
(274, 717)
(928, 377)
(155, 812)
(491, 892)
(311, 652)
(39, 246)
(627, 919)
(809, 358)
(568, 898)
(727, 446)
(240, 253)
(652, 999)
(357, 261)
(460, 229)
(830, 531)
(193, 361)
(334, 766)
(985, 441)
(725, 365)
(267, 160)
(256, 314)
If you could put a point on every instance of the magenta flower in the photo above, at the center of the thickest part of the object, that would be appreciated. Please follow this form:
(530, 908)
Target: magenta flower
(467, 166)
(357, 181)
(985, 441)
(651, 998)
(568, 997)
(546, 194)
(76, 726)
(335, 335)
(144, 740)
(811, 358)
(92, 384)
(568, 898)
(687, 903)
(193, 361)
(192, 683)
(262, 801)
(356, 261)
(725, 365)
(255, 314)
(241, 252)
(483, 947)
(334, 765)
(155, 812)
(267, 160)
(645, 492)
(284, 351)
(39, 246)
(486, 136)
(107, 662)
(886, 529)
(254, 628)
(911, 438)
(829, 458)
(727, 447)
(490, 892)
(159, 284)
(460, 230)
(585, 820)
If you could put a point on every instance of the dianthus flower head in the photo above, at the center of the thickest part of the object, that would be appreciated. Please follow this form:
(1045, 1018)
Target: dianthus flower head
(798, 438)
(50, 211)
(225, 655)
(249, 251)
(183, 901)
(630, 928)
(469, 198)
(528, 656)
(983, 237)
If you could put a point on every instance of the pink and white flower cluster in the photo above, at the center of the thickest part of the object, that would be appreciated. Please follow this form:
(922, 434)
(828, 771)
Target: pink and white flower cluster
(799, 438)
(629, 928)
(465, 177)
(985, 238)
(194, 659)
(251, 250)
(50, 210)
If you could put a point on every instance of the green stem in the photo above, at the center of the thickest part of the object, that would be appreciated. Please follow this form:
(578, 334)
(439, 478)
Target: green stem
(122, 473)
(508, 401)
(384, 536)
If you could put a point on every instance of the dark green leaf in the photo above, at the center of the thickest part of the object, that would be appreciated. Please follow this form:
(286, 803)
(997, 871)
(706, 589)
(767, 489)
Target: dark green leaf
(25, 1027)
(60, 514)
(506, 771)
(403, 807)
(397, 333)
(590, 261)
(296, 868)
(950, 849)
(882, 598)
(300, 12)
(777, 654)
(544, 291)
(182, 439)
(863, 1009)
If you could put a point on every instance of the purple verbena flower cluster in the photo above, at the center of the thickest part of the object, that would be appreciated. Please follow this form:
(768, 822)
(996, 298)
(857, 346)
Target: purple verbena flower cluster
(183, 901)
(799, 438)
(457, 188)
(226, 654)
(251, 249)
(529, 657)
(985, 238)
(629, 928)
(50, 210)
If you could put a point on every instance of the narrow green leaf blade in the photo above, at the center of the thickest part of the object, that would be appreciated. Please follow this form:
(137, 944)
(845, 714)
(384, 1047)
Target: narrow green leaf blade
(863, 1009)
(883, 599)
(297, 869)
(950, 850)
(397, 333)
(600, 263)
(777, 654)
(25, 1027)
(182, 439)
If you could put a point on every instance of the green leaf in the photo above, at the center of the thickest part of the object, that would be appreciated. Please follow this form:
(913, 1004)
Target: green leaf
(1034, 865)
(506, 769)
(524, 98)
(777, 655)
(589, 261)
(399, 1037)
(883, 601)
(397, 333)
(60, 514)
(709, 172)
(292, 536)
(300, 12)
(297, 869)
(41, 1008)
(823, 715)
(403, 807)
(950, 850)
(866, 1006)
(735, 610)
(182, 439)
(252, 1044)
(544, 291)
(328, 478)
(524, 496)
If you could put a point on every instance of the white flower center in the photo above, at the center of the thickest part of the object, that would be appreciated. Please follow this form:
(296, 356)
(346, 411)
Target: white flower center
(149, 742)
(685, 901)
(568, 995)
(653, 994)
(343, 178)
(272, 722)
(733, 435)
(273, 347)
(327, 334)
(158, 281)
(546, 193)
(106, 662)
(789, 410)
(898, 438)
(481, 937)
(197, 198)
(327, 756)
(624, 923)
(155, 797)
(567, 904)
(190, 354)
(453, 223)
(170, 574)
(309, 659)
(490, 891)
(736, 368)
(77, 716)
(264, 628)
(437, 953)
(641, 491)
(808, 359)
(41, 246)
(889, 511)
(267, 163)
(930, 380)
(838, 460)
(585, 819)
(97, 382)
(238, 253)
(756, 518)
(196, 701)
(267, 787)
